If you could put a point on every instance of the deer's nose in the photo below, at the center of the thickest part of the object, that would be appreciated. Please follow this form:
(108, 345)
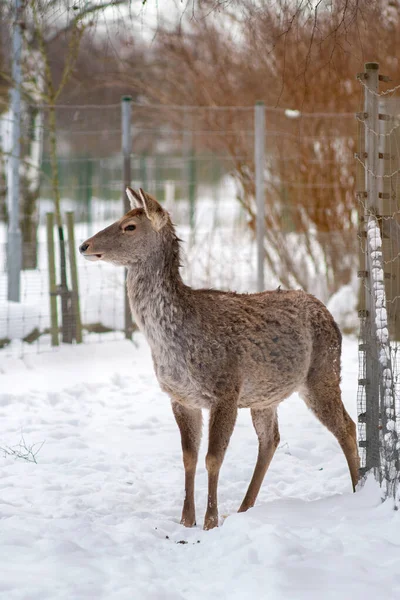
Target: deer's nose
(83, 247)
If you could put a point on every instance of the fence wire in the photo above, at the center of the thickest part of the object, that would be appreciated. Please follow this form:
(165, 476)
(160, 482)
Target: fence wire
(198, 162)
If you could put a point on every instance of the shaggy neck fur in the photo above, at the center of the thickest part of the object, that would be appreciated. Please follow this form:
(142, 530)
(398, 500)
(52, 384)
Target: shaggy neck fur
(155, 290)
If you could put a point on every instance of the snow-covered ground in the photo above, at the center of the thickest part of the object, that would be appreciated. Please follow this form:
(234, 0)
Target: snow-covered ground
(98, 515)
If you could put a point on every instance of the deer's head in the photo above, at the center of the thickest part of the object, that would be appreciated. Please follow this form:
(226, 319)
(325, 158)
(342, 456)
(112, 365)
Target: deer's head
(144, 232)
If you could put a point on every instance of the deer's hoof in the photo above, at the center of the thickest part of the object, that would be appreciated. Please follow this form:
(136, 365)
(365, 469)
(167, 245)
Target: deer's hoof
(245, 506)
(210, 522)
(188, 521)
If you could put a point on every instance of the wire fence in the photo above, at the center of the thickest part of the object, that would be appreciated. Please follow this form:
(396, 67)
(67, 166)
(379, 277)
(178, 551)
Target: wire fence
(323, 222)
(199, 162)
(378, 181)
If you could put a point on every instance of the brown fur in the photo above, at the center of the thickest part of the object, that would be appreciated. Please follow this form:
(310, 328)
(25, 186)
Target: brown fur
(223, 351)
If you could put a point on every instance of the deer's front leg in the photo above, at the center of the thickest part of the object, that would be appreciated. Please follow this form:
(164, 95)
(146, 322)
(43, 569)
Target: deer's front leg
(189, 422)
(222, 422)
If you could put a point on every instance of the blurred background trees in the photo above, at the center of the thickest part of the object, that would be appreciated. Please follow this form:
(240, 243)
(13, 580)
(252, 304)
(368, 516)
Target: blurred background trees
(225, 54)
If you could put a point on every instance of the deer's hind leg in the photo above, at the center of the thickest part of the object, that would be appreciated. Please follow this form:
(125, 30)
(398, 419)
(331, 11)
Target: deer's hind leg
(189, 421)
(323, 396)
(266, 425)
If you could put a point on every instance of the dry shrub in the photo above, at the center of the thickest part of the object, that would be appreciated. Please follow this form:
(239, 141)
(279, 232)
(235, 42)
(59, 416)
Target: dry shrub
(286, 56)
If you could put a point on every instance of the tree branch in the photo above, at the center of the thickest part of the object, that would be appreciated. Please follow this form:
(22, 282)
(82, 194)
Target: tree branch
(90, 9)
(73, 50)
(42, 48)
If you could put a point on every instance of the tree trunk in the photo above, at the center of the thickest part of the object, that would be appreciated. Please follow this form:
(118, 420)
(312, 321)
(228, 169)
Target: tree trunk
(30, 185)
(29, 225)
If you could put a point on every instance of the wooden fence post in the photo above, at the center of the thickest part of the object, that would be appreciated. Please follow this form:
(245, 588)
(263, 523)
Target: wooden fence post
(52, 279)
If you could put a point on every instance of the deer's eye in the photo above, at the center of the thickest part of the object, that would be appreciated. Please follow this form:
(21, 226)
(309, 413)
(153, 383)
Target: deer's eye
(130, 228)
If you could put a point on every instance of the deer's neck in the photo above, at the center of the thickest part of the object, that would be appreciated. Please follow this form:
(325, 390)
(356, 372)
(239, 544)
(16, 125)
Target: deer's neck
(157, 300)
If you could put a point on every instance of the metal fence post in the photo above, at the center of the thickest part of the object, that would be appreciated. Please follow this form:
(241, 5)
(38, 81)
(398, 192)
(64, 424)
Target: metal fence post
(192, 174)
(259, 166)
(88, 193)
(126, 120)
(14, 240)
(189, 163)
(371, 161)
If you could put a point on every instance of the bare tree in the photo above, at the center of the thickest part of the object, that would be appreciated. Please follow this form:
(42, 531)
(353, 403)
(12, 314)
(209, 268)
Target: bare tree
(45, 24)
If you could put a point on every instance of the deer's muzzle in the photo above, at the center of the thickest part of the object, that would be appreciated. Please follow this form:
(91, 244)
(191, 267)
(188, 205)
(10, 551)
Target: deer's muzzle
(84, 249)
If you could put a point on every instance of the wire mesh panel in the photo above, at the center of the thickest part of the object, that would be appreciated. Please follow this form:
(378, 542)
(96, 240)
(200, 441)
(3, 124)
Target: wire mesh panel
(87, 174)
(379, 393)
(198, 162)
(309, 199)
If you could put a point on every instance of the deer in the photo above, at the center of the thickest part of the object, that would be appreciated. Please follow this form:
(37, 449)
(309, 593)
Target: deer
(222, 350)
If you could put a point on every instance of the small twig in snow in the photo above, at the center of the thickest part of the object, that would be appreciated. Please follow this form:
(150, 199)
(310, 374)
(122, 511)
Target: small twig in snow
(21, 450)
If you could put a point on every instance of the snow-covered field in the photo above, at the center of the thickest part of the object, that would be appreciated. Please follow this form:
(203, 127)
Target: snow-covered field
(98, 515)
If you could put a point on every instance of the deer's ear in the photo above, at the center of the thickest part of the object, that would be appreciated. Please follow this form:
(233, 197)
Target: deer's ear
(154, 211)
(134, 198)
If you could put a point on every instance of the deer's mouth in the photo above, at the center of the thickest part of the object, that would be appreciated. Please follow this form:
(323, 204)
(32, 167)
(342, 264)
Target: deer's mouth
(93, 257)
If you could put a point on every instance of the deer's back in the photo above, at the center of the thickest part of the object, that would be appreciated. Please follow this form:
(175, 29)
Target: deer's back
(260, 345)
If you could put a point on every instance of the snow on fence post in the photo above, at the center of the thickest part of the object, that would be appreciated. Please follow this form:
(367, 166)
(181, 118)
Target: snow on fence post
(126, 119)
(389, 440)
(259, 166)
(14, 239)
